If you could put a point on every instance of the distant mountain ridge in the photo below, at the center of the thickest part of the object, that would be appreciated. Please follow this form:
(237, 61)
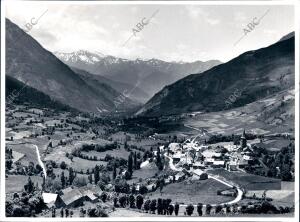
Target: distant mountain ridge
(149, 75)
(27, 61)
(256, 74)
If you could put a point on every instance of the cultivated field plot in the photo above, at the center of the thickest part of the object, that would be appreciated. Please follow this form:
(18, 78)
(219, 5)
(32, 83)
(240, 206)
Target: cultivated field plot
(248, 181)
(202, 191)
(82, 164)
(148, 171)
(28, 150)
(247, 117)
(15, 183)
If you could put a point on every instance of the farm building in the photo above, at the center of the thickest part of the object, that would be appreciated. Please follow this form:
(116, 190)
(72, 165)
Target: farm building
(176, 158)
(218, 163)
(231, 166)
(199, 175)
(209, 161)
(242, 163)
(70, 197)
(49, 199)
(174, 147)
(180, 176)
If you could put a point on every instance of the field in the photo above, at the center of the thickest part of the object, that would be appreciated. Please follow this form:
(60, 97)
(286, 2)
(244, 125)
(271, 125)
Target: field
(15, 183)
(29, 153)
(246, 180)
(145, 172)
(82, 164)
(248, 117)
(202, 191)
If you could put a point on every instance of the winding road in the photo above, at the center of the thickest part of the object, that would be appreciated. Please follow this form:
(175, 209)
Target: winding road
(39, 160)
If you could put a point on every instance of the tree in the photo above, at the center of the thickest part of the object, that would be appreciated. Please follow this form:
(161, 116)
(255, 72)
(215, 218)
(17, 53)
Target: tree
(63, 179)
(147, 205)
(158, 160)
(29, 187)
(71, 175)
(218, 209)
(38, 168)
(159, 206)
(189, 209)
(116, 202)
(53, 212)
(121, 186)
(153, 206)
(96, 174)
(131, 201)
(286, 173)
(208, 209)
(62, 212)
(135, 161)
(67, 212)
(103, 196)
(114, 171)
(130, 163)
(143, 189)
(176, 209)
(171, 209)
(161, 185)
(90, 178)
(139, 201)
(63, 165)
(122, 201)
(199, 209)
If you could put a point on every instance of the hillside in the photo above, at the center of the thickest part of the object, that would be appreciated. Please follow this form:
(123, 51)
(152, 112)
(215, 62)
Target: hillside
(19, 93)
(28, 61)
(255, 74)
(136, 94)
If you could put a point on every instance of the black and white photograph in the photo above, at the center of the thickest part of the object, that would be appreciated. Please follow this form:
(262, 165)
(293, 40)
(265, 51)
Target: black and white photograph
(149, 110)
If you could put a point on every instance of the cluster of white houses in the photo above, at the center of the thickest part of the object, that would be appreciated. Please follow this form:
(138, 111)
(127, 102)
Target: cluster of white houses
(193, 156)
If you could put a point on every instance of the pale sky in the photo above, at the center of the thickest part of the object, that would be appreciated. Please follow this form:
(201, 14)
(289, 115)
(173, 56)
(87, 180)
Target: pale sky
(175, 33)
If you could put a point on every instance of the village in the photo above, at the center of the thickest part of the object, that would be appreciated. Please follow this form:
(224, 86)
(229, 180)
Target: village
(75, 165)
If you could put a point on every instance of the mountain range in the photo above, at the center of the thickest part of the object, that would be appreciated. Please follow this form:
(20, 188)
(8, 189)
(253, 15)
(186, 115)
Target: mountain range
(254, 75)
(28, 62)
(143, 78)
(93, 82)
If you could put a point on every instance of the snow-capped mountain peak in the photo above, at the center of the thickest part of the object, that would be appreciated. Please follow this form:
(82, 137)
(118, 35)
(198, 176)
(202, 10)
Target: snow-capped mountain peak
(81, 56)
